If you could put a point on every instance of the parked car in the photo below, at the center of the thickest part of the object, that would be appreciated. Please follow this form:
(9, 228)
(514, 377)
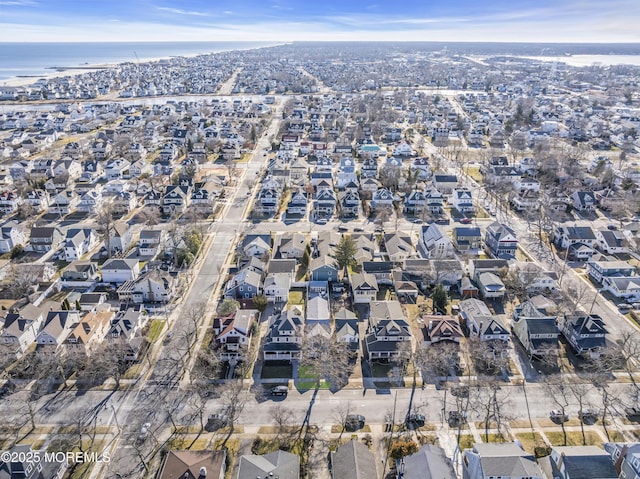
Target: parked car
(633, 411)
(612, 227)
(322, 221)
(460, 391)
(624, 307)
(216, 421)
(353, 422)
(279, 391)
(342, 228)
(415, 420)
(557, 416)
(358, 229)
(442, 221)
(456, 418)
(588, 416)
(144, 432)
(465, 221)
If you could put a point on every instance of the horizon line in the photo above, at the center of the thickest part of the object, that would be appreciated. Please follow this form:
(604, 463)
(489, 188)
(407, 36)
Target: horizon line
(290, 42)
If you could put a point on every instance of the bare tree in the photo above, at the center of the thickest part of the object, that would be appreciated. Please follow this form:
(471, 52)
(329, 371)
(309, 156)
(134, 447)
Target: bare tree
(327, 359)
(580, 391)
(560, 394)
(489, 400)
(233, 397)
(106, 223)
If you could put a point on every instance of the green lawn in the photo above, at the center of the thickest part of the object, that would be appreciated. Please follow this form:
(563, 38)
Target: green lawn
(296, 297)
(574, 438)
(156, 328)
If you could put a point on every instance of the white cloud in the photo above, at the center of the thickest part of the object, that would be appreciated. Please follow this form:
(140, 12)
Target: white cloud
(179, 11)
(17, 3)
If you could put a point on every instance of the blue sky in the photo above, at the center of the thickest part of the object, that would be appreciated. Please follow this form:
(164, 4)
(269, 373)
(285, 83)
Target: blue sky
(289, 20)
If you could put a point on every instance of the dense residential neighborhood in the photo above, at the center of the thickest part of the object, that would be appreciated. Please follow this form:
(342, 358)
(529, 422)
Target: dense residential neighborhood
(446, 244)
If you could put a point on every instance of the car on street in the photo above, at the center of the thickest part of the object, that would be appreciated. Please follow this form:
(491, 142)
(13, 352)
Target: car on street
(460, 391)
(442, 221)
(456, 418)
(624, 307)
(279, 391)
(342, 228)
(353, 422)
(322, 221)
(612, 227)
(465, 221)
(415, 420)
(216, 421)
(588, 416)
(358, 229)
(557, 416)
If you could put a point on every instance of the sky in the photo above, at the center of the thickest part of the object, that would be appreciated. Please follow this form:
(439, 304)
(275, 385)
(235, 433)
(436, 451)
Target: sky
(326, 20)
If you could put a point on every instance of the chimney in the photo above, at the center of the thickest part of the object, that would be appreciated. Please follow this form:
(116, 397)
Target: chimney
(203, 472)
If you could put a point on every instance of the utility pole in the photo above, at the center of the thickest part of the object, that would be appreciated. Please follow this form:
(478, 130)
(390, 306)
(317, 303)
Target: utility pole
(393, 425)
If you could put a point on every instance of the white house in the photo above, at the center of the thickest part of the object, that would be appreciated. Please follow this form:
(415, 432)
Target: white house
(118, 271)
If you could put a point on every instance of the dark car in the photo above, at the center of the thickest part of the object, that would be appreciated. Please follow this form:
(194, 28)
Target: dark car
(588, 416)
(279, 391)
(465, 221)
(558, 417)
(353, 422)
(442, 221)
(216, 421)
(460, 391)
(456, 418)
(358, 229)
(612, 227)
(415, 420)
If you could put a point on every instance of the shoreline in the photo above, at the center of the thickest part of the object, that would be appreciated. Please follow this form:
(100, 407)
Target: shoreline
(74, 70)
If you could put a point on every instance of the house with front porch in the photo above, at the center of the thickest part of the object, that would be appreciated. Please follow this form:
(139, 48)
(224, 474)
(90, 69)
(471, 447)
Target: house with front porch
(626, 288)
(537, 331)
(440, 328)
(324, 204)
(323, 268)
(56, 327)
(586, 333)
(480, 322)
(415, 202)
(297, 205)
(243, 285)
(467, 239)
(462, 200)
(584, 201)
(364, 287)
(284, 337)
(387, 330)
(233, 333)
(434, 243)
(276, 286)
(600, 267)
(500, 240)
(20, 329)
(349, 204)
(78, 242)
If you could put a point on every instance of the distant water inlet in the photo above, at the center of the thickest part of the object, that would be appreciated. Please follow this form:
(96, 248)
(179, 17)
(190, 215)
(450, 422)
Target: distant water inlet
(39, 59)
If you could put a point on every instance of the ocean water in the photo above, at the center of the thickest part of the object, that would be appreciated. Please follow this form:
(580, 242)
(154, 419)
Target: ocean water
(35, 59)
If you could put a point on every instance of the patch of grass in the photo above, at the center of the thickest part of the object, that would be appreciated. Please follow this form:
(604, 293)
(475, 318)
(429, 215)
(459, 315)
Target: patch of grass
(296, 297)
(155, 330)
(186, 442)
(338, 428)
(574, 438)
(466, 441)
(133, 372)
(306, 385)
(530, 440)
